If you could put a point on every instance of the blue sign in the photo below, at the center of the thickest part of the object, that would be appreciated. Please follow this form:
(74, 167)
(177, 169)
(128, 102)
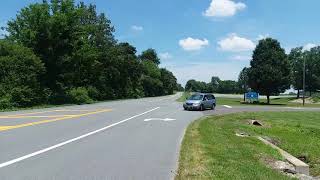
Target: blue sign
(252, 96)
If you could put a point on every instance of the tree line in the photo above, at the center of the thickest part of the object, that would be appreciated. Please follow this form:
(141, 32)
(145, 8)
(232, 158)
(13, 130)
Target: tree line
(271, 72)
(61, 52)
(215, 85)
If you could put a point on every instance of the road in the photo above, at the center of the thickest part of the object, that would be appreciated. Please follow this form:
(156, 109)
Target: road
(127, 139)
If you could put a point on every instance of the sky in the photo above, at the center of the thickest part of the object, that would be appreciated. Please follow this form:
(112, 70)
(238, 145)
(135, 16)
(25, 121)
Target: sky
(198, 39)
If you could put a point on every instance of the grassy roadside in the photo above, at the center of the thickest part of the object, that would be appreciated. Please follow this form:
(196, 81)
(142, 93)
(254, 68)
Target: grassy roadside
(184, 96)
(210, 149)
(281, 101)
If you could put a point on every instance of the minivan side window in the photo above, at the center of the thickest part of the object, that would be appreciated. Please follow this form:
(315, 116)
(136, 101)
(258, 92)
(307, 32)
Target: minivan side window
(210, 97)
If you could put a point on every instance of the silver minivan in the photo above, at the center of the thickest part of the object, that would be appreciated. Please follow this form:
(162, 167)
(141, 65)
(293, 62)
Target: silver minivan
(200, 101)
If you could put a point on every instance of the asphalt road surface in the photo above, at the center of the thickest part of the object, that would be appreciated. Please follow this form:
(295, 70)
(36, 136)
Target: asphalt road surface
(128, 139)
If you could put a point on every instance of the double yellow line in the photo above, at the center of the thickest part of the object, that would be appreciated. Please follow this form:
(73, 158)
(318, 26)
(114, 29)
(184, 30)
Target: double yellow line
(64, 117)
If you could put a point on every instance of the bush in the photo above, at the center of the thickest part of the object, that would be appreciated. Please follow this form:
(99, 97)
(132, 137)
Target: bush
(20, 70)
(316, 97)
(5, 102)
(79, 96)
(93, 93)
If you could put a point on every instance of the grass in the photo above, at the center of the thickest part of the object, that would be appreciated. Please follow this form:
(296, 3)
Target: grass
(184, 96)
(210, 149)
(281, 101)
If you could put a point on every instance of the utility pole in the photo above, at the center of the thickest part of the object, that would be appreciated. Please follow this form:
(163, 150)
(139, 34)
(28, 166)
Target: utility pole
(304, 81)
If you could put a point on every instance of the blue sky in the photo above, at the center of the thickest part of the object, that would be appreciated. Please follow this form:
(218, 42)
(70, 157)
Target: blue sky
(203, 38)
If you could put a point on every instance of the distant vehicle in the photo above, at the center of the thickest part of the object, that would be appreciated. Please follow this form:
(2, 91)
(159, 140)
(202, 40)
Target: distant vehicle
(200, 101)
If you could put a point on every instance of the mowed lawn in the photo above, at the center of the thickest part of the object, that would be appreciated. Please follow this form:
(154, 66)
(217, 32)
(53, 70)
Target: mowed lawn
(211, 150)
(281, 101)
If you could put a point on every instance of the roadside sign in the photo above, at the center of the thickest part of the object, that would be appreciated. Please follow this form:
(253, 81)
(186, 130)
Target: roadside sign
(252, 97)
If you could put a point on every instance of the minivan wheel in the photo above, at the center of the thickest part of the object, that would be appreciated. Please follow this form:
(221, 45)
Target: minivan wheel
(201, 108)
(213, 106)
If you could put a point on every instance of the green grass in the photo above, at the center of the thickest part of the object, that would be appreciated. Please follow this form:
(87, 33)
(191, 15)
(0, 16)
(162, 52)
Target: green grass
(210, 149)
(184, 96)
(281, 101)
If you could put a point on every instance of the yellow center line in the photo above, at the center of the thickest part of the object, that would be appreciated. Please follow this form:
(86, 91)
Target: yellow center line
(41, 112)
(15, 117)
(4, 128)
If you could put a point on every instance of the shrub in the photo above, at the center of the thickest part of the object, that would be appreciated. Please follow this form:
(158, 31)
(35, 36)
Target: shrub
(20, 70)
(79, 95)
(93, 93)
(5, 102)
(316, 97)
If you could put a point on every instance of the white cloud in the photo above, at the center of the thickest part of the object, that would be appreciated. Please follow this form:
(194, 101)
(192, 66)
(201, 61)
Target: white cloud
(224, 8)
(262, 36)
(234, 43)
(309, 46)
(165, 56)
(240, 58)
(190, 44)
(137, 28)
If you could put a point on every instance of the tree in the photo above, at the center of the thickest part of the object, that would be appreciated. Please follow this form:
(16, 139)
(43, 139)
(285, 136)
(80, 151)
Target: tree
(228, 87)
(169, 81)
(243, 81)
(312, 59)
(20, 70)
(69, 39)
(296, 58)
(214, 84)
(150, 55)
(270, 70)
(81, 57)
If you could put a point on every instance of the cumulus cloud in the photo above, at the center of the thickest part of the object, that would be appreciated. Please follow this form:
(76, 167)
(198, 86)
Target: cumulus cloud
(190, 44)
(137, 28)
(234, 43)
(165, 56)
(224, 8)
(309, 46)
(262, 36)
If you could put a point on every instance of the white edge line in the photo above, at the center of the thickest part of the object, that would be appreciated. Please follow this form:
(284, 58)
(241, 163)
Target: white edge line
(70, 141)
(227, 106)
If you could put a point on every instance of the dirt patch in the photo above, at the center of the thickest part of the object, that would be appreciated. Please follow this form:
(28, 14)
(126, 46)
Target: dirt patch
(274, 141)
(307, 101)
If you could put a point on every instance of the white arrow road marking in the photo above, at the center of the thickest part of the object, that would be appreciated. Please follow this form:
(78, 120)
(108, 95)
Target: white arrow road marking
(71, 140)
(227, 106)
(159, 119)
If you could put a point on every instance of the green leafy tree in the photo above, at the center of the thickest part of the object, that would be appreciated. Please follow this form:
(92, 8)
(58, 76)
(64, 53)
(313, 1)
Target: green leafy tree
(20, 70)
(228, 87)
(312, 59)
(270, 70)
(243, 80)
(296, 58)
(150, 55)
(169, 81)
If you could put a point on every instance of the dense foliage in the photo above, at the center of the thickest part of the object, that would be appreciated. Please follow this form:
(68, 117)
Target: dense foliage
(215, 86)
(311, 57)
(59, 50)
(20, 70)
